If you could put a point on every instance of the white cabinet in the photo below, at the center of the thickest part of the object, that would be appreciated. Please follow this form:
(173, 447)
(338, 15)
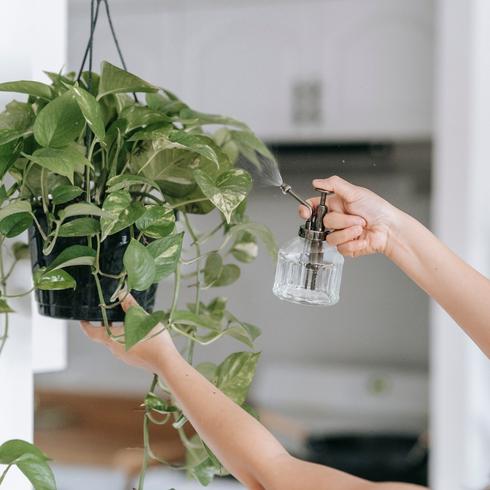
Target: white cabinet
(295, 71)
(330, 70)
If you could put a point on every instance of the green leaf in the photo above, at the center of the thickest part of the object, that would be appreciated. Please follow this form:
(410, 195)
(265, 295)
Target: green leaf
(138, 324)
(37, 89)
(156, 404)
(240, 334)
(200, 144)
(190, 117)
(248, 144)
(16, 224)
(115, 80)
(5, 307)
(216, 274)
(201, 465)
(217, 308)
(157, 222)
(121, 212)
(30, 461)
(8, 155)
(53, 280)
(17, 115)
(235, 375)
(139, 265)
(62, 161)
(65, 193)
(72, 256)
(184, 317)
(15, 218)
(168, 103)
(79, 227)
(212, 268)
(37, 471)
(21, 251)
(258, 230)
(15, 207)
(229, 274)
(8, 135)
(245, 248)
(12, 450)
(59, 123)
(227, 191)
(141, 117)
(126, 181)
(91, 110)
(80, 209)
(252, 331)
(204, 472)
(153, 132)
(166, 254)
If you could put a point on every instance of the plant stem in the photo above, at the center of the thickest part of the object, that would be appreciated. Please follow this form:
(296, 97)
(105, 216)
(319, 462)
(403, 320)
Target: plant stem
(11, 269)
(44, 192)
(209, 235)
(175, 299)
(100, 293)
(19, 295)
(39, 228)
(191, 201)
(146, 440)
(3, 285)
(87, 170)
(4, 474)
(148, 195)
(190, 354)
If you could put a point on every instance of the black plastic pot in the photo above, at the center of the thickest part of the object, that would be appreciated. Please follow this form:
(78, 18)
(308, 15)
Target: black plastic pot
(82, 303)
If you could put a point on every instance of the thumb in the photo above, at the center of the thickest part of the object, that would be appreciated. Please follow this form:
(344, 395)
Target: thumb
(336, 184)
(127, 300)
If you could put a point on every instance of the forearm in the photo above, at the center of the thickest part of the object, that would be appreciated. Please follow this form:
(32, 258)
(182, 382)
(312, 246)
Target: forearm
(246, 448)
(461, 290)
(239, 441)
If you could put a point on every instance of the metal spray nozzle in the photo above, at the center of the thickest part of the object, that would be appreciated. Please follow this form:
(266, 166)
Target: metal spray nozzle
(286, 189)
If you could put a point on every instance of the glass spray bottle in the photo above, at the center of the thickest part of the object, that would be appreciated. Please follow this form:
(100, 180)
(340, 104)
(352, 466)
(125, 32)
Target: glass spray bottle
(309, 270)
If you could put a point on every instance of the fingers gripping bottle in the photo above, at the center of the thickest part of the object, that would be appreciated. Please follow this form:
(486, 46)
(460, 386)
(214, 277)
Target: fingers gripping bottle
(309, 270)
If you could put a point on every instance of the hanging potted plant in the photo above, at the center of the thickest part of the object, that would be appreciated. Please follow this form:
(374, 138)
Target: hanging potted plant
(107, 186)
(106, 173)
(100, 178)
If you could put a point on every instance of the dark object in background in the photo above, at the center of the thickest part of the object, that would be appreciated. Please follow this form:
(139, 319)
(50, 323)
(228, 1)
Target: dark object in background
(377, 457)
(82, 303)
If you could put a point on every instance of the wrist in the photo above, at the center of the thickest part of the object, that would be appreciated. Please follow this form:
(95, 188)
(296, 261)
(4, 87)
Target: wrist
(167, 356)
(396, 239)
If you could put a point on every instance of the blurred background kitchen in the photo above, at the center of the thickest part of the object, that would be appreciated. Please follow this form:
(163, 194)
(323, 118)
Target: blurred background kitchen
(389, 94)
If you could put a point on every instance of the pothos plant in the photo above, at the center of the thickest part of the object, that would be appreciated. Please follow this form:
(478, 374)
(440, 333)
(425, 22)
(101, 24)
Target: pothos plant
(84, 162)
(30, 461)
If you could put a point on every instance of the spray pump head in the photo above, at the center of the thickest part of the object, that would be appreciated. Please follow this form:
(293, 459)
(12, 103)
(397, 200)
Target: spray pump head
(313, 229)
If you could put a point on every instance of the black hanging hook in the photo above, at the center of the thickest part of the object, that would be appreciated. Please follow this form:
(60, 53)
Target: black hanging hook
(94, 16)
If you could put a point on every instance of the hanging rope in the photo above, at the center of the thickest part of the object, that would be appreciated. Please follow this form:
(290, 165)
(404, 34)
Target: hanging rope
(89, 47)
(94, 16)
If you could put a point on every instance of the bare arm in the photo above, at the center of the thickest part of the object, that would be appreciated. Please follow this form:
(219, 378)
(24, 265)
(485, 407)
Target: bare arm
(461, 290)
(365, 223)
(245, 447)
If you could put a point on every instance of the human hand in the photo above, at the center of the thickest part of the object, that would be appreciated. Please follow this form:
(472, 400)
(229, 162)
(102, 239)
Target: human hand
(363, 222)
(146, 354)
